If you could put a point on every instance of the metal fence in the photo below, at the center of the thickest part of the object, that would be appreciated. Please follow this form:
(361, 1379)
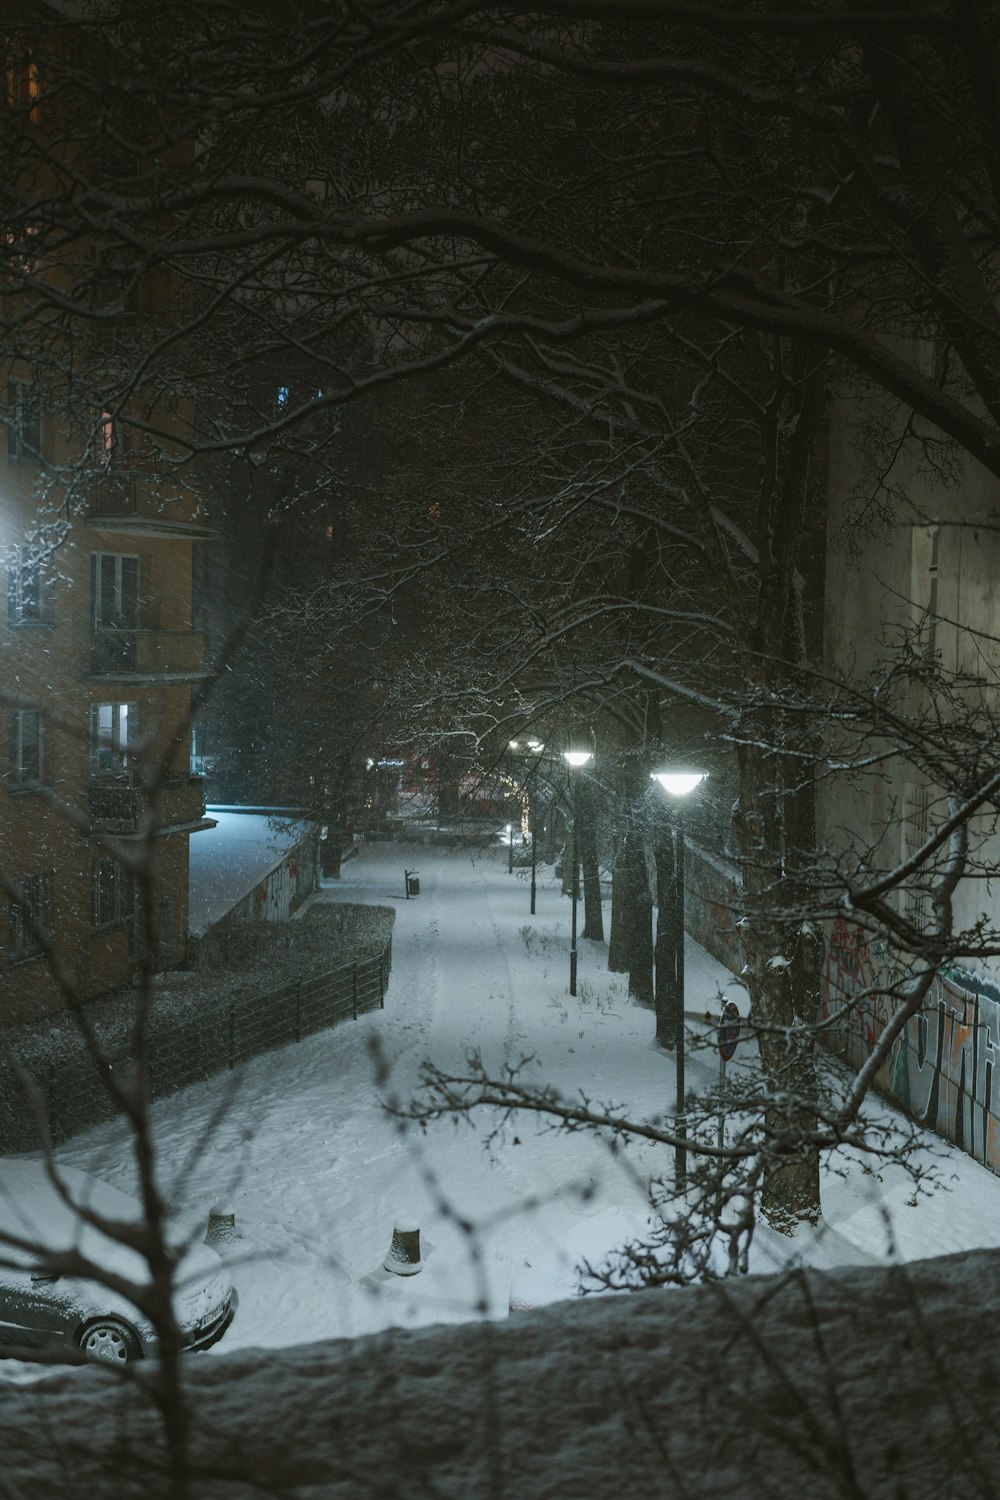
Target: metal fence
(187, 1045)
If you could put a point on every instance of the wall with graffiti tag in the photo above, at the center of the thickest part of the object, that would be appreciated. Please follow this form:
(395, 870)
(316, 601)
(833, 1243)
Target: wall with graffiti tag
(943, 1070)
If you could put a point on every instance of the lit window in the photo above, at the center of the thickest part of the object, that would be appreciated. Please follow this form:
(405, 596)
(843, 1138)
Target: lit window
(21, 79)
(114, 443)
(22, 255)
(24, 748)
(29, 918)
(114, 738)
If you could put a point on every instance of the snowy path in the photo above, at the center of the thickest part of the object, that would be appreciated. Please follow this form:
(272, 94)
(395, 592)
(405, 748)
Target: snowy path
(316, 1170)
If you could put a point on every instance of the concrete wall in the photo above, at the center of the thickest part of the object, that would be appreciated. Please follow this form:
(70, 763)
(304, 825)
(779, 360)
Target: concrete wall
(712, 906)
(274, 898)
(943, 1071)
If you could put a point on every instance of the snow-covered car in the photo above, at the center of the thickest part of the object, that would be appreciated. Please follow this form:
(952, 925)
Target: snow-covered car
(39, 1309)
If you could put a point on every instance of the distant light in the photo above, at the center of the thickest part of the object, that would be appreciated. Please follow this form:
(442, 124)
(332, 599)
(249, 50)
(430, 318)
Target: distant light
(535, 745)
(679, 781)
(577, 758)
(514, 744)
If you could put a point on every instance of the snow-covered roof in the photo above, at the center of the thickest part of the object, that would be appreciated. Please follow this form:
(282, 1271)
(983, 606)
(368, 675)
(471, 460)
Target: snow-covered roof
(227, 861)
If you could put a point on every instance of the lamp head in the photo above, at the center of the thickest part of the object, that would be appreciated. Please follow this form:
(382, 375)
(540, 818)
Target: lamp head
(678, 781)
(577, 758)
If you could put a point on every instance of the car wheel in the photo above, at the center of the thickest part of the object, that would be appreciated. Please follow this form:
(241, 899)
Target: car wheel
(109, 1342)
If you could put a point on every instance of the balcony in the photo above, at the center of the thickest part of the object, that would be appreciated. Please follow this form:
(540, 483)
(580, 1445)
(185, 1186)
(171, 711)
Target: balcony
(148, 655)
(118, 808)
(114, 493)
(127, 501)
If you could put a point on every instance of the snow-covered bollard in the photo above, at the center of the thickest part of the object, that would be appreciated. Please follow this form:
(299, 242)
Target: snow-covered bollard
(404, 1252)
(221, 1228)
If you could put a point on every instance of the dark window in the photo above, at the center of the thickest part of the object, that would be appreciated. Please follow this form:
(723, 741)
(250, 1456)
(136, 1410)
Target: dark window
(112, 895)
(25, 747)
(24, 420)
(29, 594)
(115, 280)
(115, 589)
(114, 737)
(30, 918)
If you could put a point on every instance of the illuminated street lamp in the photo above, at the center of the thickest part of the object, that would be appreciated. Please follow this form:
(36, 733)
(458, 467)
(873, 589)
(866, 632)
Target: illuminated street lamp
(532, 747)
(678, 782)
(536, 747)
(575, 759)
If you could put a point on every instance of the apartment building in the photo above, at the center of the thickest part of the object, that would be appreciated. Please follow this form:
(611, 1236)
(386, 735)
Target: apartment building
(918, 592)
(99, 658)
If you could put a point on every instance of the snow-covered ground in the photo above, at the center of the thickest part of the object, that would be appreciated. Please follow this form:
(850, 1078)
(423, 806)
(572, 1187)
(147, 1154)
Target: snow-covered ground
(316, 1170)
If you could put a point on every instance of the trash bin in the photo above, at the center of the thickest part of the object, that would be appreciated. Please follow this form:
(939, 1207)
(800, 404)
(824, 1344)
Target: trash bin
(412, 885)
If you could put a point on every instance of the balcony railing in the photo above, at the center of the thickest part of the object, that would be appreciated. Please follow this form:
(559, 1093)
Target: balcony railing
(115, 807)
(148, 653)
(114, 492)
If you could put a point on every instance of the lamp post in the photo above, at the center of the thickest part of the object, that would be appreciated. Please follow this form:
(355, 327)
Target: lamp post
(534, 747)
(678, 782)
(575, 759)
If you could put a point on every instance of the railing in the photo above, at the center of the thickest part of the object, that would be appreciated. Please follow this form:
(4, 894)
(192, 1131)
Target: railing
(185, 1047)
(114, 493)
(147, 653)
(113, 808)
(116, 808)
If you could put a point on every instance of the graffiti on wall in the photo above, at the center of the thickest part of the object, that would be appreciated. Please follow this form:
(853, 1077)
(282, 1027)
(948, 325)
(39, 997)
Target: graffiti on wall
(943, 1069)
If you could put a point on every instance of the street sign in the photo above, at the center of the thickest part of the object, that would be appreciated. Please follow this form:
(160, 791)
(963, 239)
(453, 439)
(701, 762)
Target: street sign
(729, 1030)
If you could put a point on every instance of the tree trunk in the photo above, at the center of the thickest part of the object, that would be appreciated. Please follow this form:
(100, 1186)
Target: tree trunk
(782, 968)
(617, 941)
(635, 915)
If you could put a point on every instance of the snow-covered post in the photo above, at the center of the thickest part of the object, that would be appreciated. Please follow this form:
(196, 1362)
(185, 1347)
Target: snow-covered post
(403, 1258)
(221, 1228)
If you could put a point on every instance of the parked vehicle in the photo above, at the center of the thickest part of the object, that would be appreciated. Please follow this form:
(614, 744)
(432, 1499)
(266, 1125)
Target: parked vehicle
(40, 1308)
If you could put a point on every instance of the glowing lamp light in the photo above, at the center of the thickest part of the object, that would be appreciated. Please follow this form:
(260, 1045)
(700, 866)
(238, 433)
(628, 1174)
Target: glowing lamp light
(679, 781)
(577, 758)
